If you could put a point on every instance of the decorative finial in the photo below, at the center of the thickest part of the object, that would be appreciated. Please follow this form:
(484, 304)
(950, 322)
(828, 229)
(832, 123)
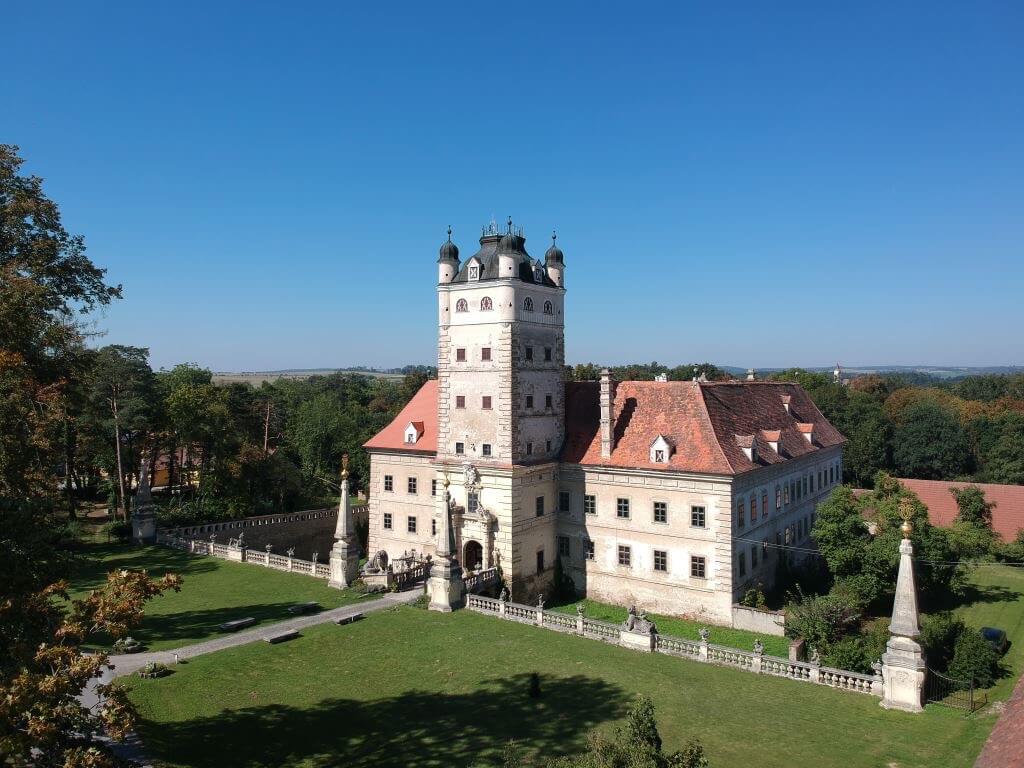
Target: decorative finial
(449, 233)
(554, 237)
(510, 225)
(906, 512)
(446, 482)
(344, 466)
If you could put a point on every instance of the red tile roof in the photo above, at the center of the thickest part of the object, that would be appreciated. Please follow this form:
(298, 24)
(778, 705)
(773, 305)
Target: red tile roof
(421, 411)
(1005, 745)
(702, 420)
(1007, 515)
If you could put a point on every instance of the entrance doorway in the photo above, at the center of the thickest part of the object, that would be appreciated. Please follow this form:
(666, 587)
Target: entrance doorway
(473, 556)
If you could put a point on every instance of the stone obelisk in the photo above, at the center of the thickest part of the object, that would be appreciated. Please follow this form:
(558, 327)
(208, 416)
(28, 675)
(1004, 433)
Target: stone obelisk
(445, 584)
(143, 510)
(903, 665)
(344, 559)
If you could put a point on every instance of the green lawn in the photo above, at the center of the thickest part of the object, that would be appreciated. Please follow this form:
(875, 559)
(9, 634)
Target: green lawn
(995, 598)
(684, 628)
(409, 687)
(213, 591)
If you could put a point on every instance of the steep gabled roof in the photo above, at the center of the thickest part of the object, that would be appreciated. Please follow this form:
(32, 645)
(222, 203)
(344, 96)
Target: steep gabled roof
(421, 411)
(1007, 515)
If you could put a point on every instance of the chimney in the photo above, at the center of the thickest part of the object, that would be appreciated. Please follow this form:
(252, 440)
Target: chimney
(607, 405)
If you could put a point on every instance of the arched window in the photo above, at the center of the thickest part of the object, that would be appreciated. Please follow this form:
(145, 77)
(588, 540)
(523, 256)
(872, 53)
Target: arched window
(528, 304)
(485, 303)
(548, 309)
(461, 305)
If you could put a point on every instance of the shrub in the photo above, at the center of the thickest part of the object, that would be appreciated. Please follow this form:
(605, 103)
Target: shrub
(939, 634)
(974, 659)
(117, 529)
(850, 654)
(821, 620)
(754, 598)
(875, 636)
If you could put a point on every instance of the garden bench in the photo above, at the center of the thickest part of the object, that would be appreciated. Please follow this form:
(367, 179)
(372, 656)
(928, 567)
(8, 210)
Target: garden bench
(237, 624)
(280, 637)
(309, 607)
(348, 619)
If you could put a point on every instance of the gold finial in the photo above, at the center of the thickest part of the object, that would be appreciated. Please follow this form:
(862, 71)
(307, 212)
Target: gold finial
(445, 482)
(344, 466)
(906, 512)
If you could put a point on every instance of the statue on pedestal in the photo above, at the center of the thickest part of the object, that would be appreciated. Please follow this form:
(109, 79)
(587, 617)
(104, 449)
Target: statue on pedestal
(344, 557)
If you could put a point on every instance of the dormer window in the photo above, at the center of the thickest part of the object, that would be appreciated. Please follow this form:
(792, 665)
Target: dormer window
(548, 308)
(474, 273)
(413, 432)
(528, 304)
(461, 305)
(661, 450)
(746, 443)
(538, 274)
(808, 431)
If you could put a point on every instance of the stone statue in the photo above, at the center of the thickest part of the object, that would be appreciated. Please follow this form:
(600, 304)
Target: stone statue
(704, 634)
(630, 621)
(540, 601)
(471, 476)
(579, 609)
(504, 595)
(758, 647)
(815, 656)
(268, 548)
(290, 552)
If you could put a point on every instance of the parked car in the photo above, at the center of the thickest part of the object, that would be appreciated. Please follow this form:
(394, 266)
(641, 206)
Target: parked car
(996, 638)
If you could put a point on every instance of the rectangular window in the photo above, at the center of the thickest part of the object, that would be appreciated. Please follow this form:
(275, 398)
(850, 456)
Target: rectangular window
(389, 483)
(548, 400)
(698, 567)
(472, 502)
(589, 504)
(812, 482)
(622, 507)
(698, 517)
(485, 402)
(410, 485)
(529, 449)
(807, 530)
(660, 512)
(539, 506)
(547, 446)
(485, 354)
(743, 564)
(741, 514)
(540, 561)
(625, 555)
(460, 448)
(588, 549)
(485, 449)
(778, 498)
(660, 560)
(659, 456)
(433, 527)
(460, 401)
(433, 487)
(547, 354)
(529, 401)
(764, 505)
(412, 524)
(460, 355)
(563, 546)
(753, 558)
(529, 353)
(785, 494)
(564, 501)
(805, 485)
(753, 509)
(387, 521)
(831, 475)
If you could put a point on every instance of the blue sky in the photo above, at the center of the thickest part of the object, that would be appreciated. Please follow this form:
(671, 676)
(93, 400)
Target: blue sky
(748, 183)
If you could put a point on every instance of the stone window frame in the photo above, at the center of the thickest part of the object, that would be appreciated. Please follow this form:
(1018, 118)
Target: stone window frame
(625, 556)
(388, 521)
(566, 550)
(589, 552)
(664, 511)
(538, 506)
(753, 508)
(703, 516)
(460, 449)
(462, 305)
(460, 354)
(698, 567)
(485, 449)
(472, 502)
(460, 401)
(549, 308)
(764, 503)
(549, 401)
(528, 402)
(485, 402)
(741, 513)
(485, 354)
(389, 483)
(486, 304)
(590, 504)
(622, 505)
(778, 497)
(528, 304)
(566, 497)
(411, 485)
(410, 523)
(662, 556)
(433, 486)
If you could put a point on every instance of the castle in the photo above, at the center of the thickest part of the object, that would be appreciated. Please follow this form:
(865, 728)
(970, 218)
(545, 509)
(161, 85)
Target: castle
(677, 496)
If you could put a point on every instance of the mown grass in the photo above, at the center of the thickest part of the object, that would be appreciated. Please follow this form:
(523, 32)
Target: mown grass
(685, 628)
(213, 591)
(410, 687)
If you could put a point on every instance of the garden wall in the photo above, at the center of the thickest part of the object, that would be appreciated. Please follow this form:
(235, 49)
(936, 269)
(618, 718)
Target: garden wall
(758, 620)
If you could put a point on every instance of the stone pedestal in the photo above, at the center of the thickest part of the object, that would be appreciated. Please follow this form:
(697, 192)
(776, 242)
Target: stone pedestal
(445, 586)
(903, 673)
(144, 527)
(344, 564)
(638, 641)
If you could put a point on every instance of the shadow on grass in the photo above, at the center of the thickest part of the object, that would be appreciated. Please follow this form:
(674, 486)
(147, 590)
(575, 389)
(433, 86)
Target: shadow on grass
(96, 561)
(972, 595)
(415, 728)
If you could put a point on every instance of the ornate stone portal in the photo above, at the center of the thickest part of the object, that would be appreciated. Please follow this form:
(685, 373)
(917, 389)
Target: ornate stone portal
(903, 665)
(445, 585)
(344, 559)
(143, 510)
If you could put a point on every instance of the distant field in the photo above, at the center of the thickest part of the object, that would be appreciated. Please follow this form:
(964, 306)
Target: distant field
(258, 377)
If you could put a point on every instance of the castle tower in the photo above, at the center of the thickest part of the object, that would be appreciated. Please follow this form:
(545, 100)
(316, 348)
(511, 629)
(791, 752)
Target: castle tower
(501, 395)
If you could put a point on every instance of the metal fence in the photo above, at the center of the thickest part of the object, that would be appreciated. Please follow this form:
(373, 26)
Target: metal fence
(956, 694)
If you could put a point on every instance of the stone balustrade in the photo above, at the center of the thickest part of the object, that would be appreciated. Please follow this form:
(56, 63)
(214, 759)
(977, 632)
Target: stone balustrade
(245, 555)
(696, 650)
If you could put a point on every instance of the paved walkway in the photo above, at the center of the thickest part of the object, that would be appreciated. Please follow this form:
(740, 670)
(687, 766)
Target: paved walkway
(126, 664)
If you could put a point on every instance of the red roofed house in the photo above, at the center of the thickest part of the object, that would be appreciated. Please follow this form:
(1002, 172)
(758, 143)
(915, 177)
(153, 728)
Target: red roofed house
(1007, 515)
(666, 494)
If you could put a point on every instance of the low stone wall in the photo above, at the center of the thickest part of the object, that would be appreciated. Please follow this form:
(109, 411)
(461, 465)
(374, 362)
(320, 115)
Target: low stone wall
(758, 620)
(306, 532)
(695, 650)
(246, 555)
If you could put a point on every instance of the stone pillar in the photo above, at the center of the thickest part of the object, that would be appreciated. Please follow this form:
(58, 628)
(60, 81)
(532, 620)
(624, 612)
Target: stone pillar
(758, 656)
(143, 510)
(903, 666)
(540, 611)
(344, 557)
(445, 585)
(607, 402)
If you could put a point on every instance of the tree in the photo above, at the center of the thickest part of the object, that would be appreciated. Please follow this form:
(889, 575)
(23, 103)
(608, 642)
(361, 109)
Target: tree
(869, 439)
(930, 444)
(974, 659)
